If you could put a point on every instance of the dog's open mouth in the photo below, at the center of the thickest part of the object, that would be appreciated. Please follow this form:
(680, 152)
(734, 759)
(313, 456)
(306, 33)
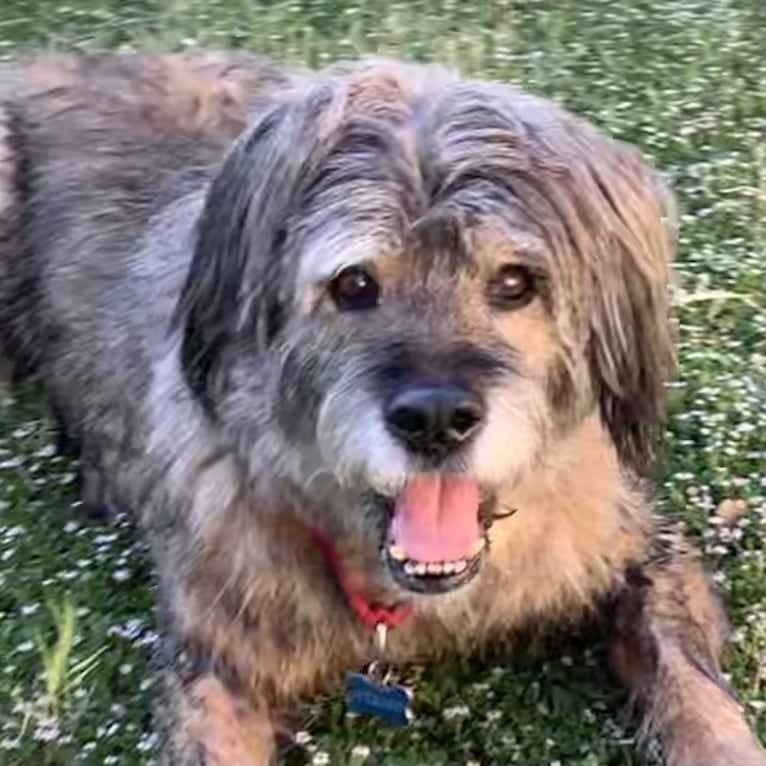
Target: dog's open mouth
(436, 539)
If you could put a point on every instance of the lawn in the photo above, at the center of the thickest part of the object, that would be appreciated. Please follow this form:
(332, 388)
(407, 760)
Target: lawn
(680, 78)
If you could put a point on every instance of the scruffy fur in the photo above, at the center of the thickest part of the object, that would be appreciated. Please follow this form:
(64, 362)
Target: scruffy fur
(168, 226)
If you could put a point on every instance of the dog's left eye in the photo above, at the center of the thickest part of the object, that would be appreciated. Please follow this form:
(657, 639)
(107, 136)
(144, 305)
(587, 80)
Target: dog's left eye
(512, 287)
(353, 289)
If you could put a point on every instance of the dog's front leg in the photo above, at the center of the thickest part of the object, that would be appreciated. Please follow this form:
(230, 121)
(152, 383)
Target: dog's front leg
(204, 723)
(669, 633)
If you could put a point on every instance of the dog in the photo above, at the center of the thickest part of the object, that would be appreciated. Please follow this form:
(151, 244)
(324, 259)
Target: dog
(317, 331)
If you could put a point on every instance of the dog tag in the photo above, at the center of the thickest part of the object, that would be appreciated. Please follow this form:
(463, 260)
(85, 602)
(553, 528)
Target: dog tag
(371, 693)
(389, 702)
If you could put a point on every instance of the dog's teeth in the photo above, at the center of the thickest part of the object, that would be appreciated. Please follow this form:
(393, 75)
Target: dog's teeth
(476, 548)
(434, 568)
(397, 553)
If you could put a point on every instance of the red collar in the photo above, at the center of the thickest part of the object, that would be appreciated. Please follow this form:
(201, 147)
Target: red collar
(371, 615)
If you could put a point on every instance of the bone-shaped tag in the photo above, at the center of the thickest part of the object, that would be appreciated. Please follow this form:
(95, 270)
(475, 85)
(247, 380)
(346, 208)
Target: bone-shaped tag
(389, 702)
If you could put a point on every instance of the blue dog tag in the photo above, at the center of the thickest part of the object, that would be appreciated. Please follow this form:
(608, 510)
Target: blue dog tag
(389, 702)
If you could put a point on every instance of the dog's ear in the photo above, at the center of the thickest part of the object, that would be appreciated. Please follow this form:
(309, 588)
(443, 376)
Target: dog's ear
(236, 285)
(631, 348)
(606, 221)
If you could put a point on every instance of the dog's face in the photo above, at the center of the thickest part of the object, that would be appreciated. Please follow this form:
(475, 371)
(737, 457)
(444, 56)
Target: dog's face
(405, 286)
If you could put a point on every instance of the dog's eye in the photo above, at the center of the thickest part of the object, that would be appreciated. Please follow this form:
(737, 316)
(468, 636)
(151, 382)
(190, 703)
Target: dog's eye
(512, 287)
(353, 289)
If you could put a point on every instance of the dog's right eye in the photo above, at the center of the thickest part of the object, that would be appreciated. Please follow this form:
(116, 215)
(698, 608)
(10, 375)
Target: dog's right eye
(353, 289)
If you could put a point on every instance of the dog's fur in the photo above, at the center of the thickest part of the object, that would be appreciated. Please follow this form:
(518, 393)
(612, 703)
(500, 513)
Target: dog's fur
(168, 226)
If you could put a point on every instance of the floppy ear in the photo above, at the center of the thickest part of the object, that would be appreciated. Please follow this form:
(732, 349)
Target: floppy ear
(605, 218)
(631, 347)
(233, 288)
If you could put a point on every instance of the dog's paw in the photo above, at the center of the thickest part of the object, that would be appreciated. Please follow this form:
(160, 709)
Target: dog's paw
(229, 730)
(719, 748)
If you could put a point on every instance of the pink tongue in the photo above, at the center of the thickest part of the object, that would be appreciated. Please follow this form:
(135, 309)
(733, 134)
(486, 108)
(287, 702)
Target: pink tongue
(437, 518)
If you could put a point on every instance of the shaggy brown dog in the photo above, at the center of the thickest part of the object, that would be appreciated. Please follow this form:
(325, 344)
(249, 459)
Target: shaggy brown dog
(317, 361)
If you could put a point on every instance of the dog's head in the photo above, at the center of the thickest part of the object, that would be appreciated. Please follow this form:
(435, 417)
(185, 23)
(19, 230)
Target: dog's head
(406, 285)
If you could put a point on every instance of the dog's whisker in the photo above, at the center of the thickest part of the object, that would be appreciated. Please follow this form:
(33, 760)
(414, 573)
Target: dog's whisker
(319, 474)
(252, 589)
(227, 585)
(504, 512)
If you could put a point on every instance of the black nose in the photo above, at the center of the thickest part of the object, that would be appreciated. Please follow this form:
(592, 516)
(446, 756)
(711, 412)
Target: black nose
(434, 420)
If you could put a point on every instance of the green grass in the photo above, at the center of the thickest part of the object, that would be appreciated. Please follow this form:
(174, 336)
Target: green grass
(678, 77)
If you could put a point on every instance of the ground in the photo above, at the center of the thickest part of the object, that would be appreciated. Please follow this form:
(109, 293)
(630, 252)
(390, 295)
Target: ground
(680, 78)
